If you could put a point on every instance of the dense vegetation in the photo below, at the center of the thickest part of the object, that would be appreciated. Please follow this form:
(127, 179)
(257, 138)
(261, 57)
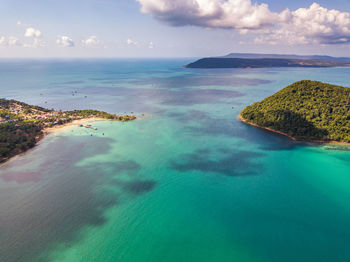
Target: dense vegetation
(263, 62)
(21, 125)
(6, 104)
(17, 137)
(100, 114)
(305, 110)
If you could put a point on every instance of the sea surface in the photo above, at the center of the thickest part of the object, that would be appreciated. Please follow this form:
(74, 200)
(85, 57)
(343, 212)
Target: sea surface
(186, 182)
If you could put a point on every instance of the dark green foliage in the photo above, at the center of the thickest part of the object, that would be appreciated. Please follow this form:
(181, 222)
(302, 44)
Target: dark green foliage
(17, 137)
(101, 114)
(307, 110)
(5, 104)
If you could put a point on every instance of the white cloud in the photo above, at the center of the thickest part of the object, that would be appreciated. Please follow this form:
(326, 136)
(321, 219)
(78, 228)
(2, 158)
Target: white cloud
(36, 35)
(32, 32)
(151, 45)
(315, 24)
(131, 42)
(14, 41)
(236, 14)
(11, 41)
(92, 41)
(65, 41)
(37, 43)
(3, 41)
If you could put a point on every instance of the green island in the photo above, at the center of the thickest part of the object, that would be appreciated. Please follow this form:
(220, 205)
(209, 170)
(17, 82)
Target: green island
(306, 110)
(23, 125)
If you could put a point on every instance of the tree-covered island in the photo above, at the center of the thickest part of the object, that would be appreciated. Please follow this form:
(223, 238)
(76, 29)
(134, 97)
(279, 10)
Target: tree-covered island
(305, 110)
(22, 125)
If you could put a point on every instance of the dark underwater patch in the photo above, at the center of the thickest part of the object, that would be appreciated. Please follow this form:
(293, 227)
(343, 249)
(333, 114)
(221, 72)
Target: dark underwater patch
(233, 164)
(202, 123)
(140, 187)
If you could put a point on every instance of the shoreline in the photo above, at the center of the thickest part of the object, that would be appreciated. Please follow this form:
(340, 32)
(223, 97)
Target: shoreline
(55, 129)
(291, 137)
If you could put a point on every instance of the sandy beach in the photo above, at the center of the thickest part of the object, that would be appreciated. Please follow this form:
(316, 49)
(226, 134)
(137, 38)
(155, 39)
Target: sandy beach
(56, 130)
(62, 128)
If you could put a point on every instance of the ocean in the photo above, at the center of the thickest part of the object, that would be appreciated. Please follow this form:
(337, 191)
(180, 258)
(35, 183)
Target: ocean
(186, 182)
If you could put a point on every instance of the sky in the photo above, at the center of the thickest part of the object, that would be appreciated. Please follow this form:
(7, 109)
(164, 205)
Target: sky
(172, 28)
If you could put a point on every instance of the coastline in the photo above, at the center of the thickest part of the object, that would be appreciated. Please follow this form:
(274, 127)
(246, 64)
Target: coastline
(291, 137)
(55, 129)
(50, 130)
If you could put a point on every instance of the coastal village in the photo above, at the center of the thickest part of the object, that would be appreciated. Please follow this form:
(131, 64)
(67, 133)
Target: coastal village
(22, 125)
(14, 111)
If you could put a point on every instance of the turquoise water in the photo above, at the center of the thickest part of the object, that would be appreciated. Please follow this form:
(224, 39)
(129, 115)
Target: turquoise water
(188, 182)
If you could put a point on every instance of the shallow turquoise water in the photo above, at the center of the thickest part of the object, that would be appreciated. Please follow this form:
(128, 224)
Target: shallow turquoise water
(189, 182)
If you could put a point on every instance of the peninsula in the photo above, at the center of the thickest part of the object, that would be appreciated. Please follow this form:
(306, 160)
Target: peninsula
(237, 60)
(306, 110)
(23, 125)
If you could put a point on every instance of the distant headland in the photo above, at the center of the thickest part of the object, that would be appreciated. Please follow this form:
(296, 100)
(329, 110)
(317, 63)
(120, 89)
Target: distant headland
(247, 60)
(306, 111)
(23, 125)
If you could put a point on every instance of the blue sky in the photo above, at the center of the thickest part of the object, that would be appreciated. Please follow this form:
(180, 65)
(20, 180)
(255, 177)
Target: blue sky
(172, 28)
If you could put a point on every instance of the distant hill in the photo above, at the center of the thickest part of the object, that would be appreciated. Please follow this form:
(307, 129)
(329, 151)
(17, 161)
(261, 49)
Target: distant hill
(246, 60)
(280, 56)
(305, 110)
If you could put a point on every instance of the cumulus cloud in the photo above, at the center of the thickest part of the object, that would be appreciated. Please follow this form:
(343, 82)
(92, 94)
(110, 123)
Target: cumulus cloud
(10, 41)
(65, 41)
(315, 24)
(3, 41)
(36, 43)
(14, 41)
(92, 41)
(131, 42)
(234, 14)
(36, 35)
(32, 32)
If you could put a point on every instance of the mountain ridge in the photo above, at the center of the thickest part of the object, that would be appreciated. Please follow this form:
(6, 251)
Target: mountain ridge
(284, 56)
